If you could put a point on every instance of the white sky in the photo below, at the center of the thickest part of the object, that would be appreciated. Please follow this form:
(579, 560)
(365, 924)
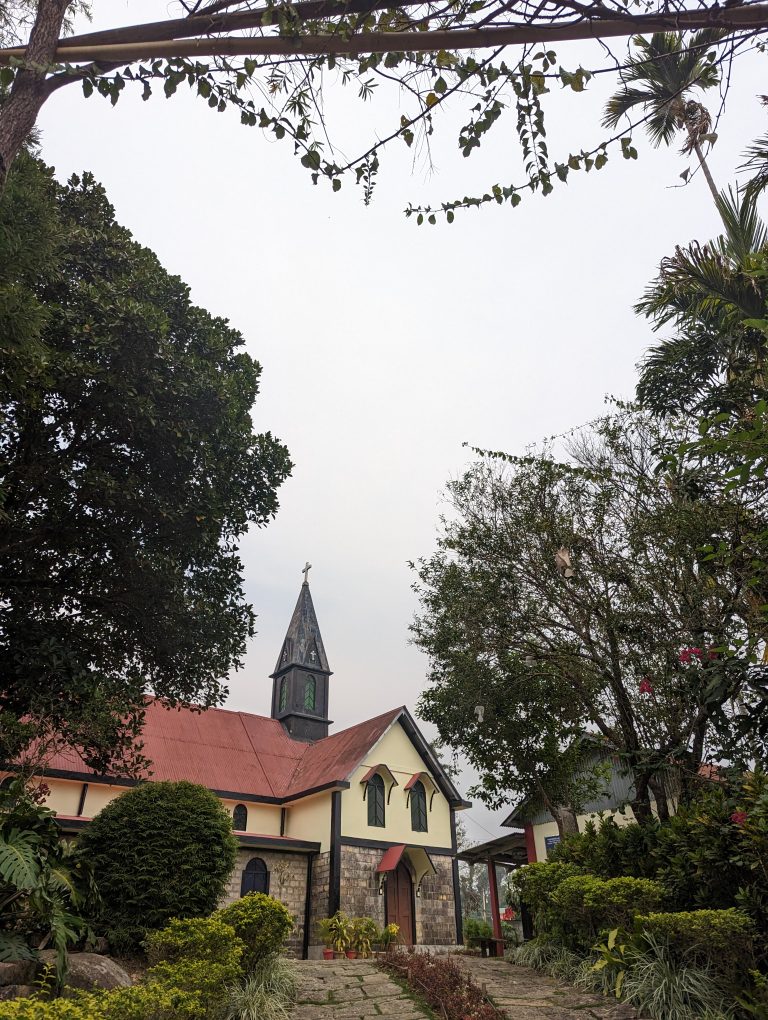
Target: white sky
(385, 346)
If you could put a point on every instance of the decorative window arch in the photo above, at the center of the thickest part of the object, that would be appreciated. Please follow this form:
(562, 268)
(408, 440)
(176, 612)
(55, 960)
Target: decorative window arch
(310, 694)
(418, 807)
(240, 818)
(375, 797)
(283, 693)
(255, 877)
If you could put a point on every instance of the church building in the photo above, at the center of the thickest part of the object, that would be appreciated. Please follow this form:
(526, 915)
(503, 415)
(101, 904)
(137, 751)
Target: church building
(361, 820)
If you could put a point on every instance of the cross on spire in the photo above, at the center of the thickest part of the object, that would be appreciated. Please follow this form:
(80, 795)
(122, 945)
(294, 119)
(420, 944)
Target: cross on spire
(305, 572)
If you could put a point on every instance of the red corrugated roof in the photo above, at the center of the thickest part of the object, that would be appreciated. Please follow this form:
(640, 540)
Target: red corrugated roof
(391, 858)
(241, 753)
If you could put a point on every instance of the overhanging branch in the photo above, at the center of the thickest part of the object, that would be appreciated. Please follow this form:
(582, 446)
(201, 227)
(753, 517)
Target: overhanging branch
(732, 19)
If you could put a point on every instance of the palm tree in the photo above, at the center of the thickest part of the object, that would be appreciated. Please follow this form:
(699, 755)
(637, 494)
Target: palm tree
(716, 295)
(659, 78)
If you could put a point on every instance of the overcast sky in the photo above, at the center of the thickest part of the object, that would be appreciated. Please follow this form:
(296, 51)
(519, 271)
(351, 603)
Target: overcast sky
(385, 346)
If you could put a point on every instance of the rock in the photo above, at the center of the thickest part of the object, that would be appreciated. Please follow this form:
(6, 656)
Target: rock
(89, 971)
(19, 972)
(16, 991)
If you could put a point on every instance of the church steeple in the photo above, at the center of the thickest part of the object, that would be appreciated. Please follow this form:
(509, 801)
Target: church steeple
(300, 679)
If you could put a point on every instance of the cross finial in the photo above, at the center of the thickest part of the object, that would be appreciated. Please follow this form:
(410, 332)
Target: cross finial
(305, 572)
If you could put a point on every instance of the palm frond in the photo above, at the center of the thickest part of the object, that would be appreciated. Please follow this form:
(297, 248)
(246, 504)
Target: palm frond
(745, 232)
(757, 165)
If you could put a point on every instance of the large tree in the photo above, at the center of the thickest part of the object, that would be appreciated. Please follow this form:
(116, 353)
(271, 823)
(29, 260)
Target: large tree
(593, 604)
(271, 63)
(129, 470)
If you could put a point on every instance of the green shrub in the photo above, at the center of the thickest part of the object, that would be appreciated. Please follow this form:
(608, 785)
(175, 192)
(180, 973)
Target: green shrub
(583, 906)
(196, 938)
(160, 850)
(262, 923)
(720, 939)
(142, 1002)
(609, 850)
(150, 1002)
(208, 980)
(536, 885)
(475, 930)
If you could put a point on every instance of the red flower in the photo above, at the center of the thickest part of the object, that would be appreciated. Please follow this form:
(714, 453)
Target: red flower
(739, 817)
(687, 655)
(712, 653)
(646, 687)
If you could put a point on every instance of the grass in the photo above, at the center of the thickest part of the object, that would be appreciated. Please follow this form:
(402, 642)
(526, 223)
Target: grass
(268, 993)
(666, 989)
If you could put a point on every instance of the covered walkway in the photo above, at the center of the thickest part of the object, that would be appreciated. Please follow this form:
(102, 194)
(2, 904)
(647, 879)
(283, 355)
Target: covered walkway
(508, 852)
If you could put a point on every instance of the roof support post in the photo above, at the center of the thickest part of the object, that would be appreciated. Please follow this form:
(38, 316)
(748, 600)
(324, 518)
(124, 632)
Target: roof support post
(494, 891)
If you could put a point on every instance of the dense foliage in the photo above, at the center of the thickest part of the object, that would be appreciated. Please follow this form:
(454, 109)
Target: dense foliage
(129, 470)
(47, 890)
(198, 975)
(262, 923)
(710, 855)
(159, 851)
(577, 594)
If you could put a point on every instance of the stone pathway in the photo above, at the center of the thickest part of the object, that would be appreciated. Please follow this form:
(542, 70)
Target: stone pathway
(524, 994)
(350, 990)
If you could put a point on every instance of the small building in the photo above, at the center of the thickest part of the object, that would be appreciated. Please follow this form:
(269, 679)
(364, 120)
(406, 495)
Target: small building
(361, 820)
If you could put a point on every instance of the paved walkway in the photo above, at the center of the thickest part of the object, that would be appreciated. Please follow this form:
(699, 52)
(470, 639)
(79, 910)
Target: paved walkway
(350, 990)
(524, 994)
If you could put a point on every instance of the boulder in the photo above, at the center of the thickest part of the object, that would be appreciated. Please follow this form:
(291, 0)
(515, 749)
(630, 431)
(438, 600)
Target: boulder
(19, 972)
(89, 971)
(16, 991)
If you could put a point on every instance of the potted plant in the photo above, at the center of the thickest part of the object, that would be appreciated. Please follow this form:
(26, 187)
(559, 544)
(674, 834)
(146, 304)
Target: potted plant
(364, 933)
(324, 927)
(339, 932)
(387, 936)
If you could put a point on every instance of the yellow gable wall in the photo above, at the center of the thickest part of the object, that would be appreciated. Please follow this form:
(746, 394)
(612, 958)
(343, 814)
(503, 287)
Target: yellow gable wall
(310, 819)
(397, 752)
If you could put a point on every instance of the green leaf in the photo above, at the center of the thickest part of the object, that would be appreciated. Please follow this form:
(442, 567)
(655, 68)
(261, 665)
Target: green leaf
(18, 864)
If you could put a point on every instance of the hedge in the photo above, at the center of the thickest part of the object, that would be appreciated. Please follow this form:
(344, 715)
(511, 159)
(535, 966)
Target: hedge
(721, 939)
(584, 906)
(160, 850)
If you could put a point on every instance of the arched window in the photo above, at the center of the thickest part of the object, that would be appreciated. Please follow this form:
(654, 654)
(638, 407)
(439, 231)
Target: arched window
(418, 807)
(375, 795)
(310, 688)
(240, 818)
(255, 877)
(283, 694)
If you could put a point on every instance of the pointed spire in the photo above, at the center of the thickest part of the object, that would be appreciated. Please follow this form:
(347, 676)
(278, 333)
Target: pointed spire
(303, 645)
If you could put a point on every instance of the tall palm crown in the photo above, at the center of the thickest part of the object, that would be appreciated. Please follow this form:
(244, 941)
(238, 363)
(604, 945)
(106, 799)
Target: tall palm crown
(659, 78)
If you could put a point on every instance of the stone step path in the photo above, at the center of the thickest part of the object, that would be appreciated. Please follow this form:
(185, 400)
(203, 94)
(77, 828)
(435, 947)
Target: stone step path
(350, 990)
(523, 994)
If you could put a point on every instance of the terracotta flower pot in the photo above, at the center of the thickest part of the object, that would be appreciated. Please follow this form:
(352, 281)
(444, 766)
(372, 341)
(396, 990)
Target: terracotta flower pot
(351, 954)
(328, 954)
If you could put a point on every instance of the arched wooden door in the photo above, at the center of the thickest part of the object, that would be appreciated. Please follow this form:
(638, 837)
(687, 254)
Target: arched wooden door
(400, 902)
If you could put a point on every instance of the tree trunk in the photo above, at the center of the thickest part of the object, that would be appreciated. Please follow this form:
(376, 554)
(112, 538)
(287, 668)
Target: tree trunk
(641, 806)
(565, 817)
(30, 89)
(658, 788)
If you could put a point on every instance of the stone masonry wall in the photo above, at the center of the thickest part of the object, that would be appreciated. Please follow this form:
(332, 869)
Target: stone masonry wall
(287, 883)
(321, 884)
(360, 883)
(435, 910)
